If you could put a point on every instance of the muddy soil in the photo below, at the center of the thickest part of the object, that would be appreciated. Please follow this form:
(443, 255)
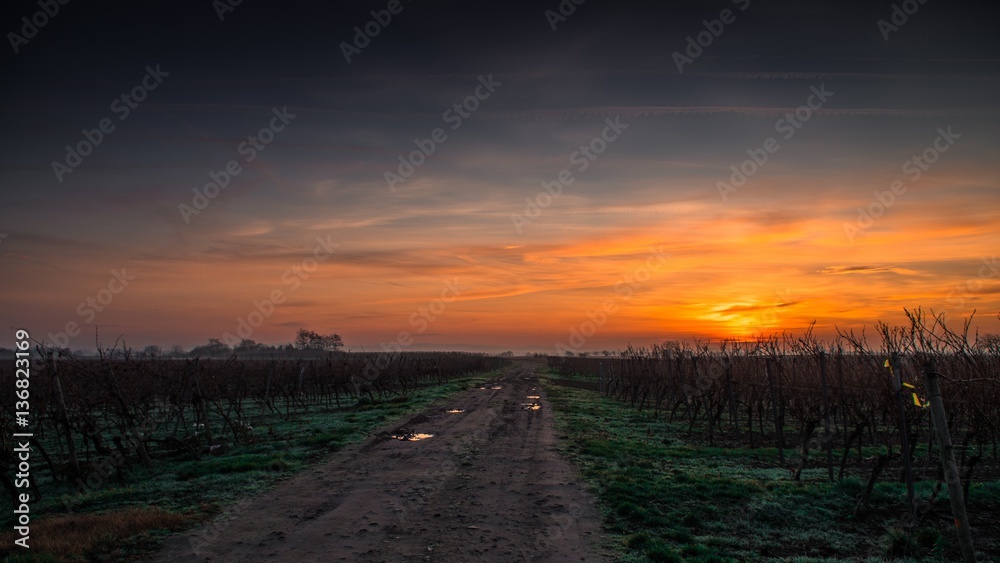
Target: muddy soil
(483, 482)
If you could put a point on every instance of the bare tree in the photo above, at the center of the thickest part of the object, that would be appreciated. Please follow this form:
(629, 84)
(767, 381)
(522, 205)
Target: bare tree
(311, 340)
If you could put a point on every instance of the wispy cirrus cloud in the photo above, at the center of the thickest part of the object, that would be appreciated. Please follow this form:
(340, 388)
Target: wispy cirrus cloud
(867, 270)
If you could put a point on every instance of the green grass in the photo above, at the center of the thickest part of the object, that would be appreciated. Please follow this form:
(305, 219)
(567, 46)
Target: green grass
(665, 497)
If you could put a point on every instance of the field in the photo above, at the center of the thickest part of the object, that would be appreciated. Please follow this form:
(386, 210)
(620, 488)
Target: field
(787, 446)
(177, 441)
(668, 495)
(784, 449)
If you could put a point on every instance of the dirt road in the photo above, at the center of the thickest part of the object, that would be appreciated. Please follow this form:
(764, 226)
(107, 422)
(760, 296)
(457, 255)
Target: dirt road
(487, 484)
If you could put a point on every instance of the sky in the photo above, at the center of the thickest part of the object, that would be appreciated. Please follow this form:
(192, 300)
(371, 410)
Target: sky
(494, 176)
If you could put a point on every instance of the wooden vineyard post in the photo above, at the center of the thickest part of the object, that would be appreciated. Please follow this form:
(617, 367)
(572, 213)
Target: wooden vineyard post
(774, 413)
(843, 410)
(955, 494)
(732, 399)
(267, 388)
(904, 431)
(201, 410)
(827, 436)
(302, 375)
(74, 462)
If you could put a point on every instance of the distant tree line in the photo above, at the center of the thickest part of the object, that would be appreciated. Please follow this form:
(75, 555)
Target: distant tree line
(305, 341)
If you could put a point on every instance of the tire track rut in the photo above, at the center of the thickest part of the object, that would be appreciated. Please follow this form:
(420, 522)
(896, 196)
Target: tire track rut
(487, 484)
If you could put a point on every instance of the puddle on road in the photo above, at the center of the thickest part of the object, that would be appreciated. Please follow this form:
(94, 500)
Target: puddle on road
(496, 388)
(411, 437)
(455, 411)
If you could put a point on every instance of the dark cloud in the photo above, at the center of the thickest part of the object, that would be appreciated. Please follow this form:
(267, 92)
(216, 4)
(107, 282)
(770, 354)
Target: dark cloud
(454, 216)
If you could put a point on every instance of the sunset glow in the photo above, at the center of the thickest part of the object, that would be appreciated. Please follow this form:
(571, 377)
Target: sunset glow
(470, 252)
